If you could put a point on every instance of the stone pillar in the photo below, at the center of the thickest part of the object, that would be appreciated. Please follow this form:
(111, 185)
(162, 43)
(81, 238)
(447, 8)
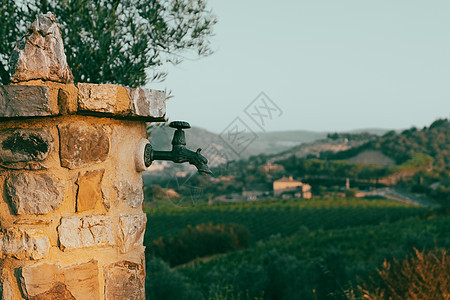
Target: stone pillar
(71, 220)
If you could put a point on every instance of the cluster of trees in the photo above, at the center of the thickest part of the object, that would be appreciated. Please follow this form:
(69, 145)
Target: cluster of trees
(199, 241)
(333, 168)
(363, 136)
(320, 264)
(433, 141)
(115, 41)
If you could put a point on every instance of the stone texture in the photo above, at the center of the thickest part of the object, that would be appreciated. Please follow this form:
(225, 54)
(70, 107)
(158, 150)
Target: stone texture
(50, 281)
(34, 193)
(67, 98)
(34, 222)
(122, 101)
(89, 190)
(103, 98)
(40, 53)
(22, 165)
(24, 145)
(26, 101)
(133, 195)
(82, 280)
(85, 231)
(82, 145)
(24, 244)
(5, 289)
(124, 280)
(58, 291)
(131, 231)
(147, 102)
(38, 278)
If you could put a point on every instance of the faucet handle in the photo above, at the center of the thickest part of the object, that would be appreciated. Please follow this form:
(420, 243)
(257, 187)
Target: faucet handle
(180, 125)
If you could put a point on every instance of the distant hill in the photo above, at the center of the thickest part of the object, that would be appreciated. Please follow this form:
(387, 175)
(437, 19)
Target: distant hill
(279, 144)
(265, 142)
(433, 141)
(333, 143)
(418, 159)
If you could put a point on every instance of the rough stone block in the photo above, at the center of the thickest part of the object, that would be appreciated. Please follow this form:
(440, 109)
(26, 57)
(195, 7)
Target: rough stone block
(148, 103)
(34, 193)
(40, 53)
(89, 190)
(24, 145)
(133, 195)
(5, 289)
(131, 231)
(24, 244)
(82, 280)
(50, 281)
(26, 101)
(67, 98)
(39, 278)
(82, 145)
(85, 231)
(103, 98)
(124, 280)
(58, 291)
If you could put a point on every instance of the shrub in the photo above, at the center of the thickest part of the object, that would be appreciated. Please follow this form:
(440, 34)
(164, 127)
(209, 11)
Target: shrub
(424, 275)
(163, 283)
(200, 241)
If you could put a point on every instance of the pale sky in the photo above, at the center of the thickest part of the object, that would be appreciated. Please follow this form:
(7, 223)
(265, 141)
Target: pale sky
(327, 65)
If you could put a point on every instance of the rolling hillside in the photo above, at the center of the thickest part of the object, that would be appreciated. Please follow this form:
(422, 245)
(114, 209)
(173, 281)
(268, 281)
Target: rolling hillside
(276, 144)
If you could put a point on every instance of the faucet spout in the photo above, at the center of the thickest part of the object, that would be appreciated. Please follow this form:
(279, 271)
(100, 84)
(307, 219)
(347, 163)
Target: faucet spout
(179, 152)
(198, 160)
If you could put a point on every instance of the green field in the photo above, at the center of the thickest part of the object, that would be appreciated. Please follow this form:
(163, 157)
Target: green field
(283, 217)
(309, 249)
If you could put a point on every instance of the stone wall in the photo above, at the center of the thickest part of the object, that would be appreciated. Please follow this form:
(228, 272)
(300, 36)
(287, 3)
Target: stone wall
(71, 220)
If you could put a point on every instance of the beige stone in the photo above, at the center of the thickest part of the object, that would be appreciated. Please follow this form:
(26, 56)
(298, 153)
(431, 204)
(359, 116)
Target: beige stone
(40, 54)
(82, 280)
(50, 281)
(121, 101)
(58, 291)
(67, 98)
(26, 101)
(148, 103)
(131, 231)
(24, 244)
(34, 193)
(5, 289)
(131, 194)
(24, 145)
(83, 144)
(124, 280)
(103, 98)
(89, 190)
(85, 231)
(39, 278)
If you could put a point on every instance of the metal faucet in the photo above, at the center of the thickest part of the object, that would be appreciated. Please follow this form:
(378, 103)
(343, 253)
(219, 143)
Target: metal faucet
(179, 153)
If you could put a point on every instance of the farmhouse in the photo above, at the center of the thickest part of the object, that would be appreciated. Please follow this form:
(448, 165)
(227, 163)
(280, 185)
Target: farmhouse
(290, 187)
